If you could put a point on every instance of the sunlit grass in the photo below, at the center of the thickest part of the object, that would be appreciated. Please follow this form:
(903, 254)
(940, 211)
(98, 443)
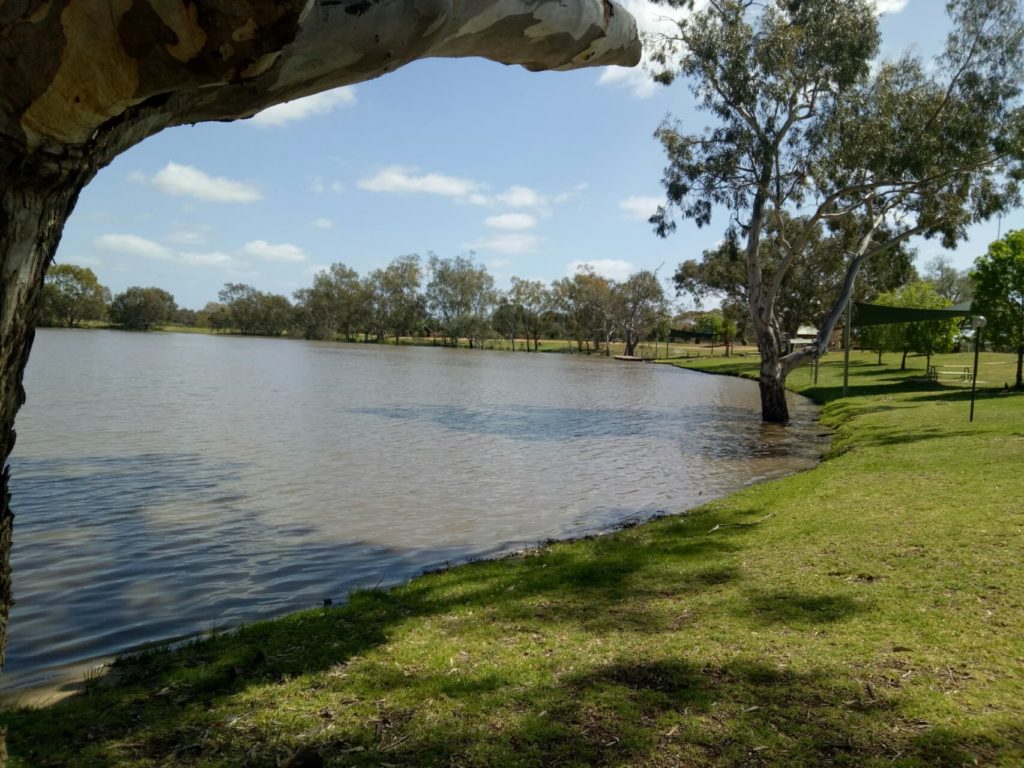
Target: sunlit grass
(868, 612)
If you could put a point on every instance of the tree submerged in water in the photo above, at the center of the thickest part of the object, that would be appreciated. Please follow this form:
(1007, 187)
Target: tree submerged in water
(809, 138)
(83, 81)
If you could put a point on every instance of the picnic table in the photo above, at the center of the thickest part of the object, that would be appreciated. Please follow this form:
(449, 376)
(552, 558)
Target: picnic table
(963, 373)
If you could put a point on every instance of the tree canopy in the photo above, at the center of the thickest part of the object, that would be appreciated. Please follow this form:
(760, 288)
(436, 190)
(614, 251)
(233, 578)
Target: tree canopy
(72, 294)
(807, 133)
(998, 279)
(142, 308)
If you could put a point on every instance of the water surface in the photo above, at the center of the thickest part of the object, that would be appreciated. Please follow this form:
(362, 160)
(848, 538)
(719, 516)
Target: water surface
(170, 484)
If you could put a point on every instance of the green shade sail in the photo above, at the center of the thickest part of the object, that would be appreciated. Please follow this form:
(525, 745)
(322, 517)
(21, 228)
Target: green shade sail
(877, 314)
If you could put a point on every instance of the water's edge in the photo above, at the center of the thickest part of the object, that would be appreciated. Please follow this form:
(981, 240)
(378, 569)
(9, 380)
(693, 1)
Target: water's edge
(29, 689)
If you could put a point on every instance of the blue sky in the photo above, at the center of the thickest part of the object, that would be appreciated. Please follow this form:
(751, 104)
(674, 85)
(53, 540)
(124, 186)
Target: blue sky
(534, 172)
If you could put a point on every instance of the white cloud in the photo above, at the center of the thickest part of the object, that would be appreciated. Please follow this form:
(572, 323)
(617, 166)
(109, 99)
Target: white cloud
(320, 186)
(511, 243)
(186, 237)
(286, 252)
(522, 197)
(137, 177)
(323, 223)
(188, 181)
(300, 109)
(213, 259)
(398, 178)
(511, 221)
(890, 6)
(640, 207)
(575, 191)
(613, 269)
(133, 245)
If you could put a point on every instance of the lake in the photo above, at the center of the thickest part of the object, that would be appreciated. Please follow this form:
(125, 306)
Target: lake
(168, 485)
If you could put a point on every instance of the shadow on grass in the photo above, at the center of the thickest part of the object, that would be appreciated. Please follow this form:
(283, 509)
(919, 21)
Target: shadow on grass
(802, 609)
(214, 702)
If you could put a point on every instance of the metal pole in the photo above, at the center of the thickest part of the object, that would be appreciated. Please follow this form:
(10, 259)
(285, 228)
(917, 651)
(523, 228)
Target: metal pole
(846, 347)
(974, 378)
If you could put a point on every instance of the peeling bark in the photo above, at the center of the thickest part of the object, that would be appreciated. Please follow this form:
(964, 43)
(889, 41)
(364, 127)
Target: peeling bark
(86, 80)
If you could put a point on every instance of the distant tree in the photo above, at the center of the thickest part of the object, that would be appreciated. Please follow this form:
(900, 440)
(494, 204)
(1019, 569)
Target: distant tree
(998, 280)
(922, 337)
(142, 308)
(881, 338)
(587, 303)
(72, 294)
(808, 132)
(508, 319)
(720, 329)
(255, 313)
(640, 304)
(214, 316)
(570, 306)
(930, 336)
(336, 304)
(533, 299)
(949, 282)
(396, 306)
(460, 296)
(185, 317)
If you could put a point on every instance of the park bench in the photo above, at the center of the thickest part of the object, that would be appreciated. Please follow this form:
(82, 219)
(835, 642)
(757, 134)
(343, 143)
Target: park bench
(963, 373)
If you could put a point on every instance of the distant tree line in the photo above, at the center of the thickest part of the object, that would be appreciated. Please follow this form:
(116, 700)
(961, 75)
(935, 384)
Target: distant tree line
(449, 300)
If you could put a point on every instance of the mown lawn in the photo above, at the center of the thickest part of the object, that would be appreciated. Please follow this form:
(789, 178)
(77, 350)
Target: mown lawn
(868, 612)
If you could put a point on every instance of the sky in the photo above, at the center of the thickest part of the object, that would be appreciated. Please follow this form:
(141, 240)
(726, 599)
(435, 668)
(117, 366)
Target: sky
(535, 173)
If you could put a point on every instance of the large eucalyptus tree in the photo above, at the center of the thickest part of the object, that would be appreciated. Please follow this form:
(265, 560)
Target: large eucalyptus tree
(810, 129)
(83, 80)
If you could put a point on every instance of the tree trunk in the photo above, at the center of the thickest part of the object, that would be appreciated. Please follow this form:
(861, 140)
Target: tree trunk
(903, 362)
(35, 200)
(1020, 368)
(772, 382)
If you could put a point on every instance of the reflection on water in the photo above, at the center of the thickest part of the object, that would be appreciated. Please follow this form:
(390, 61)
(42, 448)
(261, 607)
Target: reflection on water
(170, 484)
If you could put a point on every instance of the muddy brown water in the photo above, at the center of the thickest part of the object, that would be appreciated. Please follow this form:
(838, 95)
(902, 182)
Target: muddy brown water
(168, 485)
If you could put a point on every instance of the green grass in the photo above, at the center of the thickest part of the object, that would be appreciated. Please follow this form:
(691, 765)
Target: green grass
(868, 612)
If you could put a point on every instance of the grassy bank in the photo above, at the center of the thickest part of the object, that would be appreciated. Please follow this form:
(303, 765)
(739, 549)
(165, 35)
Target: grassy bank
(869, 612)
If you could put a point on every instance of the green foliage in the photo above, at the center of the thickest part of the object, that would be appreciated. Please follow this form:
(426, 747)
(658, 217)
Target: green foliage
(998, 279)
(72, 294)
(395, 305)
(142, 308)
(813, 279)
(720, 329)
(587, 304)
(336, 304)
(922, 337)
(460, 297)
(806, 134)
(256, 313)
(533, 299)
(949, 282)
(639, 305)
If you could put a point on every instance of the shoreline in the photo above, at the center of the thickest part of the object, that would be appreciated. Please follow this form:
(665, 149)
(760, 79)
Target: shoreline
(83, 676)
(864, 612)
